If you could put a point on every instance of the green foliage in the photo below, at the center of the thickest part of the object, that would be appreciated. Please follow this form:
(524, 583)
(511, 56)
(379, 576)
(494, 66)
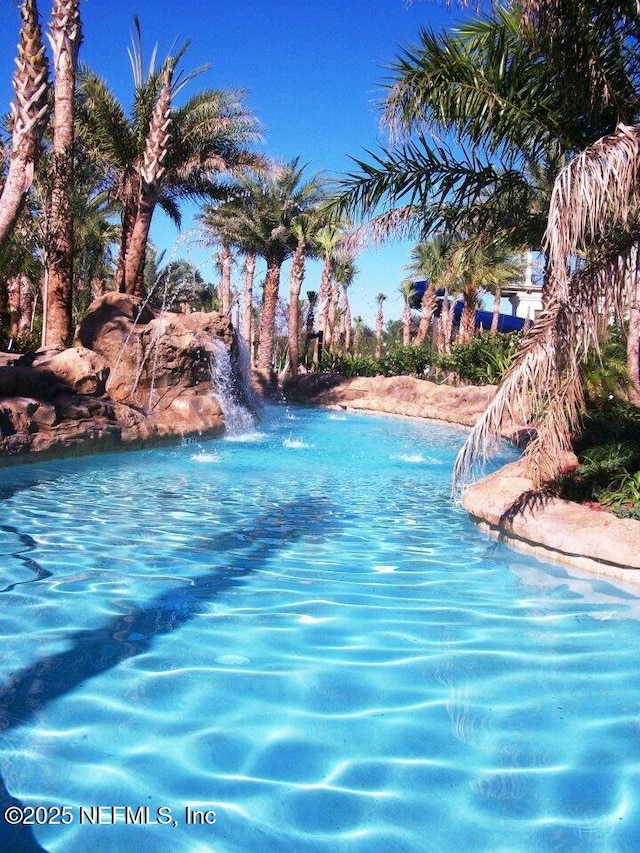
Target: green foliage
(617, 421)
(406, 361)
(605, 377)
(625, 491)
(609, 454)
(353, 365)
(397, 361)
(484, 360)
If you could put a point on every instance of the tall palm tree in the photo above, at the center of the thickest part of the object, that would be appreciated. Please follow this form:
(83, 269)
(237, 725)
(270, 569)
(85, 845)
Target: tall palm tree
(346, 278)
(328, 238)
(344, 272)
(162, 153)
(408, 291)
(302, 229)
(476, 266)
(66, 35)
(497, 109)
(380, 298)
(224, 224)
(358, 329)
(225, 261)
(247, 299)
(28, 118)
(592, 245)
(278, 200)
(430, 260)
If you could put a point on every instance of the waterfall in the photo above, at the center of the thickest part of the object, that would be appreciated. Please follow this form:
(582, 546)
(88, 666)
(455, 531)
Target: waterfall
(232, 387)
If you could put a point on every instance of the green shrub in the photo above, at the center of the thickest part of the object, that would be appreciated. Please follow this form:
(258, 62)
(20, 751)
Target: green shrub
(397, 361)
(609, 455)
(351, 365)
(406, 361)
(484, 360)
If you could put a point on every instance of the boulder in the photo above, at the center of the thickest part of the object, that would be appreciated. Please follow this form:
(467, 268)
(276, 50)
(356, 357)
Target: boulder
(508, 507)
(134, 376)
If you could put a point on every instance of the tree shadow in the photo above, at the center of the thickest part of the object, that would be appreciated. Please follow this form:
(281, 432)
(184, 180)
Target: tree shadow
(126, 636)
(531, 501)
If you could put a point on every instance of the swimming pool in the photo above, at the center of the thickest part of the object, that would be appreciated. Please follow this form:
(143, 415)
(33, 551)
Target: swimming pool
(289, 641)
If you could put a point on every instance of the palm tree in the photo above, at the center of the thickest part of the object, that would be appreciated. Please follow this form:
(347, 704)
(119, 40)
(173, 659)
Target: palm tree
(358, 330)
(380, 298)
(28, 118)
(278, 200)
(162, 153)
(430, 260)
(342, 269)
(327, 238)
(247, 299)
(487, 88)
(224, 223)
(477, 266)
(347, 275)
(302, 230)
(592, 247)
(225, 263)
(593, 215)
(408, 292)
(58, 298)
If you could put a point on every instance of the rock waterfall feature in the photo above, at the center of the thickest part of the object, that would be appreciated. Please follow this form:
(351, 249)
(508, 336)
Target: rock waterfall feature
(134, 376)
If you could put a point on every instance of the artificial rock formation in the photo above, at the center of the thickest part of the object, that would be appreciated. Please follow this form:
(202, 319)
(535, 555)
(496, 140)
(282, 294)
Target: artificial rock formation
(398, 395)
(133, 376)
(506, 505)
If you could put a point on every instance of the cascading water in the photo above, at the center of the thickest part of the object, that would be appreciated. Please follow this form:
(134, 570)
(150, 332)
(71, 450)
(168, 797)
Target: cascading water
(233, 389)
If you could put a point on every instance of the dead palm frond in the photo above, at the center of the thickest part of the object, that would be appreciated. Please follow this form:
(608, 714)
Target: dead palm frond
(543, 387)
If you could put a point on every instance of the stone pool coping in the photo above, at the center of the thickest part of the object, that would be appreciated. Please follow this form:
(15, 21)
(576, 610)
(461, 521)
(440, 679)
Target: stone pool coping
(506, 506)
(503, 504)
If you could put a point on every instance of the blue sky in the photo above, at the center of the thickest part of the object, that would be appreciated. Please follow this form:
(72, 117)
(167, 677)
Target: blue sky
(313, 73)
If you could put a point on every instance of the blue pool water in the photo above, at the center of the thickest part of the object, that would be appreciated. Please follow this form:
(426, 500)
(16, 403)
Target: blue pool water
(294, 634)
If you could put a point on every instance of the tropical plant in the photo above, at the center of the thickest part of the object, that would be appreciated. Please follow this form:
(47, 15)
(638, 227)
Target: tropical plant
(28, 118)
(327, 238)
(344, 272)
(407, 291)
(482, 361)
(65, 37)
(430, 260)
(302, 231)
(380, 298)
(162, 152)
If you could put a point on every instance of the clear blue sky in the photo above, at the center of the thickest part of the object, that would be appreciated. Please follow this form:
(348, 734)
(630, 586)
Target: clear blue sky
(313, 71)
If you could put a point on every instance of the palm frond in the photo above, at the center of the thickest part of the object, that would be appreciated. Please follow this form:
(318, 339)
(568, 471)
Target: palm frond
(595, 194)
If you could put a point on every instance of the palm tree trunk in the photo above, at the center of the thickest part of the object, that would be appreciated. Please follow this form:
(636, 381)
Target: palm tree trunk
(468, 318)
(225, 279)
(12, 287)
(151, 172)
(247, 301)
(65, 40)
(445, 325)
(268, 317)
(633, 340)
(379, 327)
(427, 307)
(28, 118)
(324, 294)
(137, 247)
(332, 309)
(128, 199)
(347, 323)
(497, 298)
(295, 286)
(406, 325)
